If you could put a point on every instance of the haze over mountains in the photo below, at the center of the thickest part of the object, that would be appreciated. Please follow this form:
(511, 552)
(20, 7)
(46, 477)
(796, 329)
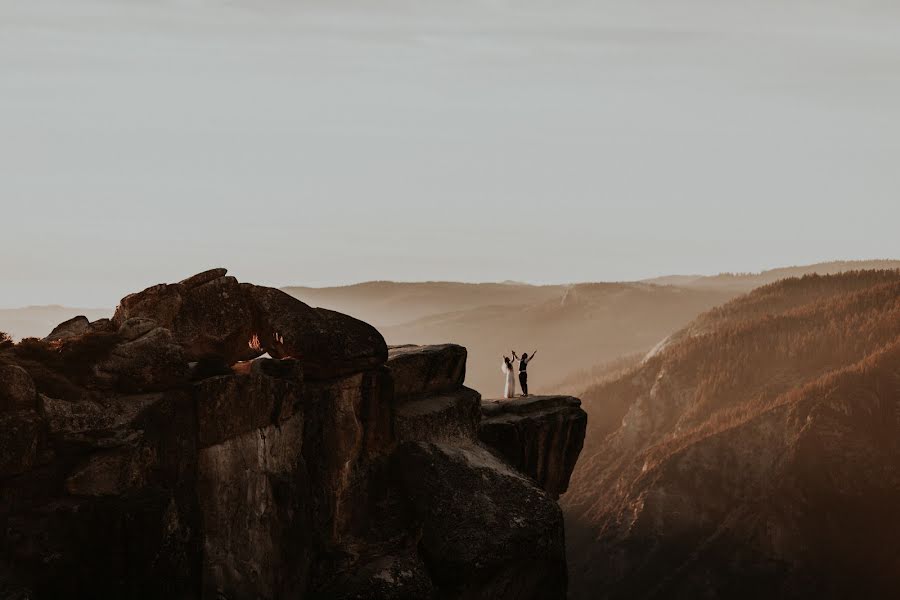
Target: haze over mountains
(574, 327)
(577, 329)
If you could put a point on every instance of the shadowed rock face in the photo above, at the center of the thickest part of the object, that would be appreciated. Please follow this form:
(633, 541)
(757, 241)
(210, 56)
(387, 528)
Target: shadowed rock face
(329, 344)
(208, 314)
(541, 436)
(336, 473)
(212, 315)
(487, 530)
(419, 370)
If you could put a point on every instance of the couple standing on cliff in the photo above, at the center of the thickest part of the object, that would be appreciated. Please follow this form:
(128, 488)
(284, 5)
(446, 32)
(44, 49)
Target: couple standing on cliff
(507, 366)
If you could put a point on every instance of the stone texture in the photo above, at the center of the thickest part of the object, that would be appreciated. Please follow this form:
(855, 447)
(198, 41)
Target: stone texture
(350, 431)
(541, 436)
(252, 491)
(328, 344)
(233, 404)
(212, 315)
(136, 327)
(439, 417)
(151, 362)
(419, 370)
(68, 329)
(114, 514)
(204, 277)
(102, 325)
(487, 531)
(208, 314)
(23, 442)
(17, 391)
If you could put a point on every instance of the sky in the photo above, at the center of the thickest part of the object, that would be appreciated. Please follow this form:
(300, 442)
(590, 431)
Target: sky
(337, 141)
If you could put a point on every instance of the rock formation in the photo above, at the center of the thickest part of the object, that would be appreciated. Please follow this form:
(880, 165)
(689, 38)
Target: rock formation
(154, 455)
(539, 435)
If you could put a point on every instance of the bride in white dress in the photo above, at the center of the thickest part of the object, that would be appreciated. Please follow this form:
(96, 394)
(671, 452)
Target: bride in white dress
(507, 368)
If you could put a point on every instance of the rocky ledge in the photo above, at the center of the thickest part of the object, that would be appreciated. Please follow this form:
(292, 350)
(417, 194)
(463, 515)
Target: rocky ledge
(158, 455)
(541, 436)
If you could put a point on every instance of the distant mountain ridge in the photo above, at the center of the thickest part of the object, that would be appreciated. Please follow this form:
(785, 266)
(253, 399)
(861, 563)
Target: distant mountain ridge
(748, 281)
(578, 326)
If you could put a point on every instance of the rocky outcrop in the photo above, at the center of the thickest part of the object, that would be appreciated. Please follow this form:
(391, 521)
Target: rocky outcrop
(212, 315)
(329, 344)
(431, 401)
(209, 315)
(71, 328)
(149, 362)
(332, 470)
(419, 370)
(541, 436)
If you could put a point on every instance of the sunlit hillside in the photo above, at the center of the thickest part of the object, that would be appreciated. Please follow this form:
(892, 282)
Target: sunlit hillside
(761, 445)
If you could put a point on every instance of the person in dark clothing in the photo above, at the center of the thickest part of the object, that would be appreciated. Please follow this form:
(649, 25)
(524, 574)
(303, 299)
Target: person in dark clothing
(523, 365)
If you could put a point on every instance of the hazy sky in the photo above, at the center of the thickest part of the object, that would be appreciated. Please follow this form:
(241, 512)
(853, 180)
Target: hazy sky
(537, 140)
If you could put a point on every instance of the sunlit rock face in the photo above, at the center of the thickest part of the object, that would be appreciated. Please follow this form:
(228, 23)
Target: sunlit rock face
(141, 461)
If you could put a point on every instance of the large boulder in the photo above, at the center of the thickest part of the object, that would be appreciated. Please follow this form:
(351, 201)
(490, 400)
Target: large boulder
(540, 436)
(419, 370)
(208, 314)
(150, 362)
(71, 328)
(431, 402)
(442, 416)
(211, 315)
(327, 343)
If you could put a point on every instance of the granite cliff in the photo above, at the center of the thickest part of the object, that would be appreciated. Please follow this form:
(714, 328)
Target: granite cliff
(216, 439)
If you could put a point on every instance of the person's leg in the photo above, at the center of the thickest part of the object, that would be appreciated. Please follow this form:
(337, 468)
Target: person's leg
(523, 382)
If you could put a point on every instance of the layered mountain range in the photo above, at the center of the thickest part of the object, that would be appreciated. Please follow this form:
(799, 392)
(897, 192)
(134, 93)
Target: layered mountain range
(579, 329)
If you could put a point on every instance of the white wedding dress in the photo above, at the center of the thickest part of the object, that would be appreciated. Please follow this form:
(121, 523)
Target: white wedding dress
(510, 390)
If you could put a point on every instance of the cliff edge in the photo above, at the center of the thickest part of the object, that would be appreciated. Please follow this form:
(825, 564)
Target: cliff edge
(216, 439)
